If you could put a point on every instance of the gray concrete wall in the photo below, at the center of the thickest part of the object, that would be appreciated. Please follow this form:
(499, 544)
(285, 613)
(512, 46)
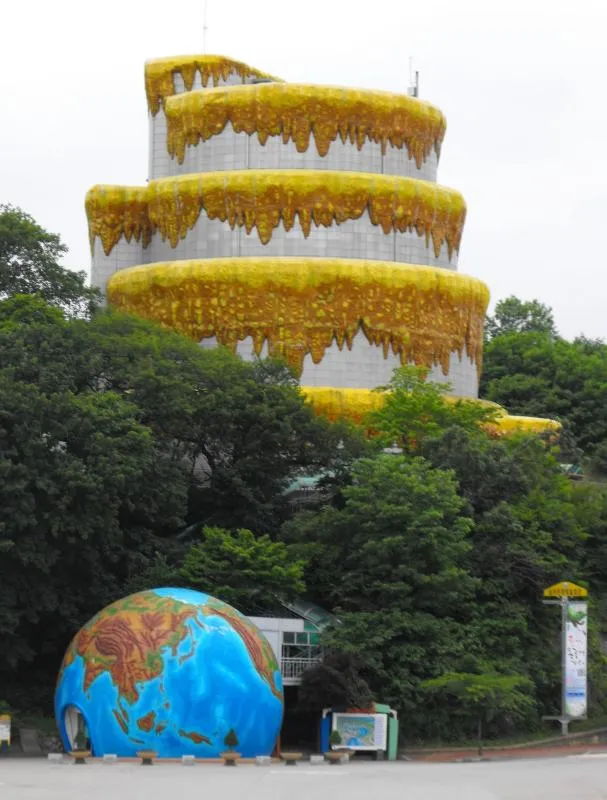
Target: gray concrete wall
(124, 254)
(230, 150)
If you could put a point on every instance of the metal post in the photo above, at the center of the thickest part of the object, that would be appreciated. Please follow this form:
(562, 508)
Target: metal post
(564, 716)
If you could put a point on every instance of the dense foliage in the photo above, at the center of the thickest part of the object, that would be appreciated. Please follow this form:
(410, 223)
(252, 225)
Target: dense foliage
(118, 441)
(482, 698)
(131, 458)
(436, 564)
(245, 570)
(532, 371)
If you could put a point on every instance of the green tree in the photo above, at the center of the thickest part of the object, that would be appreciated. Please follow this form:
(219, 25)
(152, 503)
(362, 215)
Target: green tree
(160, 570)
(119, 441)
(244, 431)
(390, 563)
(526, 536)
(29, 264)
(336, 682)
(513, 315)
(590, 502)
(538, 375)
(598, 462)
(84, 496)
(416, 409)
(249, 572)
(483, 698)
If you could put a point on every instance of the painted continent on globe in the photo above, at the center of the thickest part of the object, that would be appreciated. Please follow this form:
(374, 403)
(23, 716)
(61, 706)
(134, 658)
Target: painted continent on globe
(171, 670)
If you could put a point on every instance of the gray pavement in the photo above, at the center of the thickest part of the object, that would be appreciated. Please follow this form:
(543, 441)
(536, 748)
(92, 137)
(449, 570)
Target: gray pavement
(570, 777)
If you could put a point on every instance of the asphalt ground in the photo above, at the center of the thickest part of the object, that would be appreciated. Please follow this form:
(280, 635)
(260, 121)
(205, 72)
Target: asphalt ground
(568, 777)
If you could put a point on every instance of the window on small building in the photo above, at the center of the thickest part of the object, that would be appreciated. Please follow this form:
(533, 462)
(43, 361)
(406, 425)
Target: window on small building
(301, 645)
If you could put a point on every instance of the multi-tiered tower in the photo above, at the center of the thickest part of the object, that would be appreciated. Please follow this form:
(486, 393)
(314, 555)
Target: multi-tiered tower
(295, 220)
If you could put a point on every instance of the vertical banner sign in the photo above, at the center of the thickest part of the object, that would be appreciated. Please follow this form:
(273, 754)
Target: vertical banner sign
(5, 729)
(576, 639)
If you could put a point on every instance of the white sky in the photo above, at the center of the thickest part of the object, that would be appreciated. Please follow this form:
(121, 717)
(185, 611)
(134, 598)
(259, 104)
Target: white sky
(522, 83)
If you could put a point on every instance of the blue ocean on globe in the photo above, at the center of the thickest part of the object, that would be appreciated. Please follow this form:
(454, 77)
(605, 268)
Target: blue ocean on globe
(170, 670)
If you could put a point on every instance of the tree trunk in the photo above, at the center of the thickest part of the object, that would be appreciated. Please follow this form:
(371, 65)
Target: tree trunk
(480, 736)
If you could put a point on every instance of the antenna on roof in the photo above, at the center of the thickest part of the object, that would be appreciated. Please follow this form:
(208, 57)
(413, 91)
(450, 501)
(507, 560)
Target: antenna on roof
(205, 28)
(413, 90)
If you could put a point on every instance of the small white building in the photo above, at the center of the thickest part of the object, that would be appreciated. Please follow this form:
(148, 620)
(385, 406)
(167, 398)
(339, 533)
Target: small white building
(295, 644)
(295, 638)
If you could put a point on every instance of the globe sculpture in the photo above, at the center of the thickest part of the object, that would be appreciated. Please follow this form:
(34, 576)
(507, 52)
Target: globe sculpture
(172, 671)
(299, 221)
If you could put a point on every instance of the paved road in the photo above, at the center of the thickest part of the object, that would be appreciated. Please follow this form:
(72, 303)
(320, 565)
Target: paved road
(578, 777)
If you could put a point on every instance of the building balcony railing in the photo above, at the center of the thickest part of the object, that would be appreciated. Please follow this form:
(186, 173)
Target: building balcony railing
(293, 668)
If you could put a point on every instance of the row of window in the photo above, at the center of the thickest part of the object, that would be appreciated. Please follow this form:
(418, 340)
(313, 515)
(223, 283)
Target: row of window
(304, 639)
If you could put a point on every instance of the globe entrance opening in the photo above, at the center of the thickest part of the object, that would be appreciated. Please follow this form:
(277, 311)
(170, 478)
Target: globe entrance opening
(75, 727)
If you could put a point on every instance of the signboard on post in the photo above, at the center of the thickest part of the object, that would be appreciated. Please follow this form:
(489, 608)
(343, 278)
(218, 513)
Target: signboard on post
(362, 731)
(5, 729)
(576, 649)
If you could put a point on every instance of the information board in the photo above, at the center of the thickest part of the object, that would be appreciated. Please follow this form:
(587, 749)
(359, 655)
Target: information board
(362, 731)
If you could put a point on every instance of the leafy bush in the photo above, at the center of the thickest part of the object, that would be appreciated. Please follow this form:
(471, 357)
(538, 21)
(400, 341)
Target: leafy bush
(231, 740)
(335, 739)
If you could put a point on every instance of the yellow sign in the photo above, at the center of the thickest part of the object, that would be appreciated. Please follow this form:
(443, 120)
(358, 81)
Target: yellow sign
(565, 589)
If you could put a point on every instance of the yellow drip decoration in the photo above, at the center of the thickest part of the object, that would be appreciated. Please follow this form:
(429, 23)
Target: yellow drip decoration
(356, 404)
(297, 111)
(509, 424)
(115, 211)
(262, 199)
(302, 305)
(160, 74)
(338, 404)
